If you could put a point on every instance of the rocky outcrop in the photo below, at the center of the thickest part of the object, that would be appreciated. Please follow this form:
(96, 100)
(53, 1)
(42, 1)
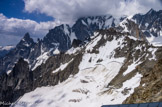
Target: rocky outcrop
(58, 37)
(150, 89)
(16, 83)
(21, 80)
(22, 50)
(86, 26)
(76, 43)
(134, 30)
(130, 26)
(44, 75)
(150, 23)
(133, 55)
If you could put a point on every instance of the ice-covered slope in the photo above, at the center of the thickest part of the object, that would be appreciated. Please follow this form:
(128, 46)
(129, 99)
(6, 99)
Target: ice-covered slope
(107, 74)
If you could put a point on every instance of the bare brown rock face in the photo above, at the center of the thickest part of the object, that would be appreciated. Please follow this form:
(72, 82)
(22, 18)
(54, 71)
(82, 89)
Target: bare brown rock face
(150, 89)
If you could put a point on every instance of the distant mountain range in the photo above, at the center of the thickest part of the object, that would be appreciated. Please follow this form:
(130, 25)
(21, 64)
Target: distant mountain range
(4, 50)
(99, 59)
(61, 37)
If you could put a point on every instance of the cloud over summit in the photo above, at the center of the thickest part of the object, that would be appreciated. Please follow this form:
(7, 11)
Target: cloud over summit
(68, 10)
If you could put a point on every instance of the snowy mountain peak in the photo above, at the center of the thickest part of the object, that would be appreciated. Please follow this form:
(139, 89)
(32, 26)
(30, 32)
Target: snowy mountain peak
(26, 41)
(151, 25)
(102, 22)
(26, 36)
(151, 11)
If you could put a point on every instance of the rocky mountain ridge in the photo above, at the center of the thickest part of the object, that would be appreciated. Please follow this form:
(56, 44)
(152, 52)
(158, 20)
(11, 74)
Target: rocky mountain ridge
(104, 61)
(91, 65)
(151, 25)
(150, 22)
(61, 38)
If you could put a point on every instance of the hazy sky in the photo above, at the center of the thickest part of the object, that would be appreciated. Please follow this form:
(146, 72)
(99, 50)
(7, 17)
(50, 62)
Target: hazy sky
(38, 16)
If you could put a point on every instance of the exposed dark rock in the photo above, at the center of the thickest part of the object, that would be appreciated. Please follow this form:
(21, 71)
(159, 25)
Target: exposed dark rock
(22, 80)
(16, 83)
(150, 89)
(132, 55)
(135, 30)
(22, 50)
(151, 22)
(126, 91)
(58, 37)
(76, 43)
(86, 26)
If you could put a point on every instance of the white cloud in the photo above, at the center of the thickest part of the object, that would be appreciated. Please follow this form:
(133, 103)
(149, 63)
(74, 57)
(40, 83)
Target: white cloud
(12, 29)
(68, 10)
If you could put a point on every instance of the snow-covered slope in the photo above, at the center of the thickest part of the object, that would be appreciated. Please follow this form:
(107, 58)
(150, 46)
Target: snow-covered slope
(86, 88)
(95, 84)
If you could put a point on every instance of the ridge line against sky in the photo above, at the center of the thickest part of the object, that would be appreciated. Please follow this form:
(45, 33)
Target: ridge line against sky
(13, 23)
